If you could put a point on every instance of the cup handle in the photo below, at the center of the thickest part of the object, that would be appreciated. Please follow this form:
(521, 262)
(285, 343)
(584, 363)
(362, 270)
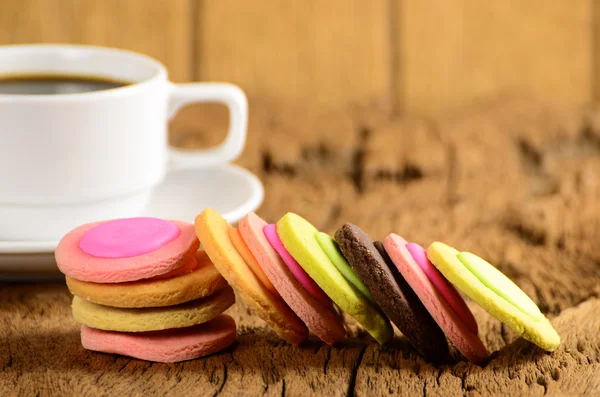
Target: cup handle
(230, 95)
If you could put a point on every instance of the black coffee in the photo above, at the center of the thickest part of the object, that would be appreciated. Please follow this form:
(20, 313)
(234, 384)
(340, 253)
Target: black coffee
(54, 84)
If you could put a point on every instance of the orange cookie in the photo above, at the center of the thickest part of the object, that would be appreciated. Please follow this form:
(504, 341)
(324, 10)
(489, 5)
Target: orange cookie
(213, 232)
(202, 281)
(185, 269)
(242, 248)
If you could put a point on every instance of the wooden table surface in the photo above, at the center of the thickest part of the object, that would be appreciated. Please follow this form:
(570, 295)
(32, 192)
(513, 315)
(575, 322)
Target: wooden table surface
(515, 180)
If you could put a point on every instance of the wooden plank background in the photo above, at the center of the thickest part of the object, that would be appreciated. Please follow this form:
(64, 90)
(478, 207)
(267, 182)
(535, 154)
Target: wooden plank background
(425, 57)
(159, 28)
(455, 52)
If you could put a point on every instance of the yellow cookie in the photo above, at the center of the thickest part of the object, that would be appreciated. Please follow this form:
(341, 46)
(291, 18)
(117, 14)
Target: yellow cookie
(499, 296)
(299, 238)
(212, 230)
(152, 318)
(202, 281)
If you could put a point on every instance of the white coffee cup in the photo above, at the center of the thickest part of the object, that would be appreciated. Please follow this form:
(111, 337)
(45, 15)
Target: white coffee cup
(69, 159)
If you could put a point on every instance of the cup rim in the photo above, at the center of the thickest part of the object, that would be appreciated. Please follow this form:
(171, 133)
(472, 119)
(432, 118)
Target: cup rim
(160, 72)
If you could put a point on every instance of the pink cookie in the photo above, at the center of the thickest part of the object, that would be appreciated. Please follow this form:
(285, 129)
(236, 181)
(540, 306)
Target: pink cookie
(321, 320)
(188, 267)
(157, 251)
(444, 287)
(459, 333)
(270, 232)
(167, 346)
(125, 238)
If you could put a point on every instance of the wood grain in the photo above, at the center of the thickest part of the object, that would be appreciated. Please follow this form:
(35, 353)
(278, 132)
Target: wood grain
(454, 53)
(595, 31)
(324, 53)
(427, 58)
(161, 29)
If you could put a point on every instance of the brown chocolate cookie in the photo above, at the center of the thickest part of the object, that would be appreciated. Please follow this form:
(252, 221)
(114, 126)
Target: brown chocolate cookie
(392, 293)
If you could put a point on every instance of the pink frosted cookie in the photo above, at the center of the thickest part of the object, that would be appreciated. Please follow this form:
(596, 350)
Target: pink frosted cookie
(167, 346)
(446, 289)
(456, 330)
(126, 249)
(321, 320)
(270, 232)
(125, 238)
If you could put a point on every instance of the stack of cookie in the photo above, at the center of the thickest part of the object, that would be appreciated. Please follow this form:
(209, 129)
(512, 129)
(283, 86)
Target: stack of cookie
(142, 289)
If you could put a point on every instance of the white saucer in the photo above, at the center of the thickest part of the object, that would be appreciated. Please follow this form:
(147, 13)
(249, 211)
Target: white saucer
(230, 190)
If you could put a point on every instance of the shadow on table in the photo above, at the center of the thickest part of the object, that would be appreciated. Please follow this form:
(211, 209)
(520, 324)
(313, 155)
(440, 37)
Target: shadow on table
(258, 353)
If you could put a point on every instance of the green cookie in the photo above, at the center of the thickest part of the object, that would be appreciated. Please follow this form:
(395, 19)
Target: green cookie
(298, 237)
(495, 280)
(481, 282)
(330, 246)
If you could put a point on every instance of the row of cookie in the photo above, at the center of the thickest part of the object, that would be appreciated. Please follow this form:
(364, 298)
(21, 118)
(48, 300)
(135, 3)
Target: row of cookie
(142, 289)
(294, 277)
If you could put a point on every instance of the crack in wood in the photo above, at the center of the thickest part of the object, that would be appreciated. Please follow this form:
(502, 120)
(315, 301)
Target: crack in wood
(529, 235)
(503, 333)
(222, 385)
(354, 373)
(530, 156)
(172, 387)
(453, 175)
(146, 368)
(542, 382)
(9, 362)
(590, 137)
(269, 167)
(327, 358)
(124, 365)
(534, 162)
(541, 299)
(439, 375)
(407, 174)
(358, 160)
